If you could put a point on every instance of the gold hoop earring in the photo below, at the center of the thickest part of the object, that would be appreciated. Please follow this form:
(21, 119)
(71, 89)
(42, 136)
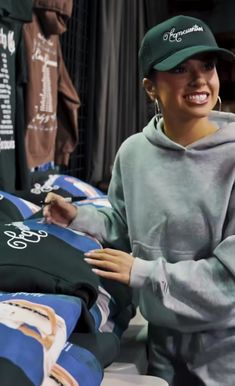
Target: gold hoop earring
(219, 103)
(157, 110)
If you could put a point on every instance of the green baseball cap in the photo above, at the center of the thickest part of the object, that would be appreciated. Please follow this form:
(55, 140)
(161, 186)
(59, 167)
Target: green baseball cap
(175, 40)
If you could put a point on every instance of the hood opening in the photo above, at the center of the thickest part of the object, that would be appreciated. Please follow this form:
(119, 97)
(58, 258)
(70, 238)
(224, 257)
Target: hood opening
(51, 22)
(63, 7)
(53, 15)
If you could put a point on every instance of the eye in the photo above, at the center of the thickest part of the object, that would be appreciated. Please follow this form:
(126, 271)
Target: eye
(180, 69)
(210, 65)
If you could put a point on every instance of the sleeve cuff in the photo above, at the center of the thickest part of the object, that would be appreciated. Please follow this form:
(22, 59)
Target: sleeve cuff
(81, 219)
(141, 272)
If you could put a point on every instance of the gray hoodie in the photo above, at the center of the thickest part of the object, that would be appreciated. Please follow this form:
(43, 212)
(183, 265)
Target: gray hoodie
(173, 207)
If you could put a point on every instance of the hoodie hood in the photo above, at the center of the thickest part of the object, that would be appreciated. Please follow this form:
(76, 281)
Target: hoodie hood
(225, 134)
(18, 10)
(53, 15)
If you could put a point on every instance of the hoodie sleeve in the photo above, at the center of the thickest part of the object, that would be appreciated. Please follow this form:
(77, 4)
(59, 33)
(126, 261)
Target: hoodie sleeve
(67, 115)
(199, 294)
(108, 225)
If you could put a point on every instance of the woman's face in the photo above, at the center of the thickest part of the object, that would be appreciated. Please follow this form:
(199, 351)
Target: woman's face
(190, 90)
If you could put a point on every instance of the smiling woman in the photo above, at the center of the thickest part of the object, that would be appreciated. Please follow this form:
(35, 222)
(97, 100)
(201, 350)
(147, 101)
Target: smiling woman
(170, 230)
(186, 93)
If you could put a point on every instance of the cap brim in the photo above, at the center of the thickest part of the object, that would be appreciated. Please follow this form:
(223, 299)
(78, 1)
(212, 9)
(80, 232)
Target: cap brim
(180, 56)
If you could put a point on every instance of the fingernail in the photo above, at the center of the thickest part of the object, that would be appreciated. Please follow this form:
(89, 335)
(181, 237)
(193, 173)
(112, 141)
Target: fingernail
(90, 252)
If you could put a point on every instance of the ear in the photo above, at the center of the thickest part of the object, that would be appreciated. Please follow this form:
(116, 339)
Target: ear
(150, 88)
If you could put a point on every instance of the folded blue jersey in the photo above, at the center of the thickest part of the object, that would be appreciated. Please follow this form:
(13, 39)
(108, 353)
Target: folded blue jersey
(76, 366)
(34, 329)
(13, 208)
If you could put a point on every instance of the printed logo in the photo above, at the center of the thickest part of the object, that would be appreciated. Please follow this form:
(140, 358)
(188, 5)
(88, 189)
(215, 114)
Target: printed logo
(173, 36)
(7, 145)
(7, 41)
(46, 188)
(21, 240)
(45, 53)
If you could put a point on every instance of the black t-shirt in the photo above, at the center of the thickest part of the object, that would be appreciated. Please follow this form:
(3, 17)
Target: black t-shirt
(12, 78)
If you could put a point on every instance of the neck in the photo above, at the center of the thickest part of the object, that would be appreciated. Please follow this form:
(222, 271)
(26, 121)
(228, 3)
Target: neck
(185, 133)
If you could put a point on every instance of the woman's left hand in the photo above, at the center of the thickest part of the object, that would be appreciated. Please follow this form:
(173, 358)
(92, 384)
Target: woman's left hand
(111, 264)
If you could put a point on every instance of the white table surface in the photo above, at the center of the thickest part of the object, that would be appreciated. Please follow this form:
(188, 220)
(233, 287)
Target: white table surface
(131, 380)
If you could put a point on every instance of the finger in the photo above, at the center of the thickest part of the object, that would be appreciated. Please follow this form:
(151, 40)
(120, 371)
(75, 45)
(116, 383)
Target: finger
(53, 198)
(113, 252)
(108, 275)
(100, 254)
(47, 219)
(50, 197)
(46, 211)
(109, 251)
(106, 265)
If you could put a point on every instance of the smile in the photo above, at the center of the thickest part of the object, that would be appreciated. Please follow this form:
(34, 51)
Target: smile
(197, 98)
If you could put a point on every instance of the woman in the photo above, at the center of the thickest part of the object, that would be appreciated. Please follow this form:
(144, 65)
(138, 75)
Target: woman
(171, 230)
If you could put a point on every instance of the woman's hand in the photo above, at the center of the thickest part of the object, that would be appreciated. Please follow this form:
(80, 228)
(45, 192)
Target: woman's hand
(58, 211)
(111, 264)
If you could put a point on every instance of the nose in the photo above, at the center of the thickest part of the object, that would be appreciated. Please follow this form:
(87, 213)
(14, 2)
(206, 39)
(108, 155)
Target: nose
(197, 78)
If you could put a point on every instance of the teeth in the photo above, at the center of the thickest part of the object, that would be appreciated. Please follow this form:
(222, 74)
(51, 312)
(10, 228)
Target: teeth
(198, 98)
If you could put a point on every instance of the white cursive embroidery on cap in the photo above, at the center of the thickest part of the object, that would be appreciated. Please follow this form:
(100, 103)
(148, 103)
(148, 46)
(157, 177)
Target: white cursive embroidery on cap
(173, 36)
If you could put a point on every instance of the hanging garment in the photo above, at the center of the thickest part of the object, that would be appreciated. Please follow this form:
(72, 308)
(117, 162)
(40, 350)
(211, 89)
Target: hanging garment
(12, 79)
(51, 99)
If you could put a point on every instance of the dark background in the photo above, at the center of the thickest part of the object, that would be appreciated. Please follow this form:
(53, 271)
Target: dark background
(100, 49)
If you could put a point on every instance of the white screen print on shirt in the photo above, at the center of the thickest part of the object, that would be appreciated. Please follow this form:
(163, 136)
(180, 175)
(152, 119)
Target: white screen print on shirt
(8, 48)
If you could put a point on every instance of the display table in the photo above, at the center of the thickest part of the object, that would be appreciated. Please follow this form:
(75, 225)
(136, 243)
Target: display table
(132, 358)
(115, 379)
(130, 367)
